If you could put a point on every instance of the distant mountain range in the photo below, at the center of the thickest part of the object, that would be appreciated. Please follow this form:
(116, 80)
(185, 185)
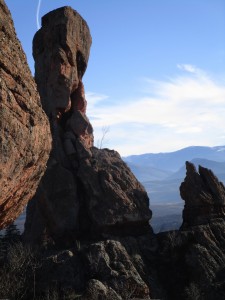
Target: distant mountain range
(172, 161)
(162, 173)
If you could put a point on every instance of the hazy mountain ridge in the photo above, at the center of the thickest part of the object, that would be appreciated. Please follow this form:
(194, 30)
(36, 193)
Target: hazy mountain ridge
(172, 161)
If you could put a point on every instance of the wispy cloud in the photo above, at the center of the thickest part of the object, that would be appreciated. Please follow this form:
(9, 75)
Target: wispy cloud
(38, 13)
(187, 109)
(94, 99)
(188, 68)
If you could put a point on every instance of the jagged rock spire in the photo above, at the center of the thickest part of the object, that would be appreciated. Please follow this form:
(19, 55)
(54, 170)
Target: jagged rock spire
(204, 196)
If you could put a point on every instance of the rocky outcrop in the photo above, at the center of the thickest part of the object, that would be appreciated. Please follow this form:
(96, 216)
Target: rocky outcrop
(86, 192)
(204, 196)
(191, 262)
(25, 139)
(113, 202)
(109, 269)
(91, 206)
(88, 203)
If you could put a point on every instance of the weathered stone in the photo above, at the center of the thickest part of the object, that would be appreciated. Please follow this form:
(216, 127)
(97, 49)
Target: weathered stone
(96, 290)
(191, 262)
(114, 200)
(92, 195)
(25, 139)
(85, 191)
(204, 196)
(54, 209)
(61, 51)
(110, 263)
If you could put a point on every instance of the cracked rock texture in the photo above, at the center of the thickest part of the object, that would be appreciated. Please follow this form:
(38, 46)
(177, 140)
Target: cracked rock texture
(25, 138)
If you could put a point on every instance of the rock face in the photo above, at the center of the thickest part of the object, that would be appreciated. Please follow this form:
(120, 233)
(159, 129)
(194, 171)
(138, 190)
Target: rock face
(93, 213)
(88, 196)
(25, 139)
(86, 192)
(114, 202)
(109, 269)
(191, 262)
(204, 196)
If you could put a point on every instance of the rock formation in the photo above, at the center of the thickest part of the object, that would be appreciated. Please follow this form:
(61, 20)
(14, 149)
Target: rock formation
(192, 260)
(88, 196)
(86, 192)
(90, 211)
(204, 196)
(25, 139)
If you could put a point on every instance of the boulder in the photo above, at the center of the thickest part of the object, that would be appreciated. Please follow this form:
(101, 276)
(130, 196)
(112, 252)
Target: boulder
(113, 199)
(117, 276)
(25, 139)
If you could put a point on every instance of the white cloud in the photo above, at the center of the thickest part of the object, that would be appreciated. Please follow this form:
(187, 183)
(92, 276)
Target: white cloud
(94, 98)
(188, 68)
(185, 110)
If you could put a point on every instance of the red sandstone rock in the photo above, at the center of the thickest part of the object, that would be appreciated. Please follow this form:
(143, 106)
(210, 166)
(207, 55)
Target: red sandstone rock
(25, 139)
(61, 51)
(85, 191)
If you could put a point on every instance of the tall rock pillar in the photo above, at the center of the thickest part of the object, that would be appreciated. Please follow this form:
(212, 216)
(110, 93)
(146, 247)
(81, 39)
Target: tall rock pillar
(86, 192)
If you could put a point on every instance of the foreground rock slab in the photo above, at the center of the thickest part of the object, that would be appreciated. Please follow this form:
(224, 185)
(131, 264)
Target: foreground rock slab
(25, 139)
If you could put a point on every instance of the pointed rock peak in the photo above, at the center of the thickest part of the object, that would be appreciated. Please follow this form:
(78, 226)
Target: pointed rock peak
(204, 196)
(190, 167)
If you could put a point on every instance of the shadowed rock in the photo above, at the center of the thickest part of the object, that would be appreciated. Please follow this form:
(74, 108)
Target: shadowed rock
(113, 201)
(25, 139)
(204, 196)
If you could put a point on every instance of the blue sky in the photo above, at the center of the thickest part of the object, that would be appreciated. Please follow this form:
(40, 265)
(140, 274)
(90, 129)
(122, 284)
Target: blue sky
(156, 74)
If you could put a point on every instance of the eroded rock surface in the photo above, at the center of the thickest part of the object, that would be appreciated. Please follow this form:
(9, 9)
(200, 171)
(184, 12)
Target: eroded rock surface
(109, 269)
(25, 139)
(191, 262)
(204, 196)
(86, 192)
(89, 204)
(114, 202)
